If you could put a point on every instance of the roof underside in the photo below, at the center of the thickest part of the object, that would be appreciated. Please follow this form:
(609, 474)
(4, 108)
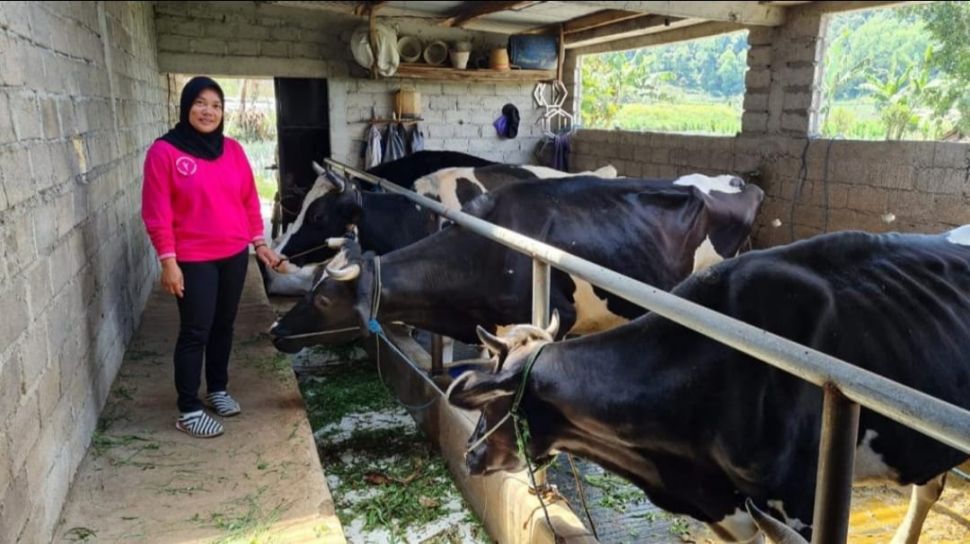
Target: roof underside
(585, 22)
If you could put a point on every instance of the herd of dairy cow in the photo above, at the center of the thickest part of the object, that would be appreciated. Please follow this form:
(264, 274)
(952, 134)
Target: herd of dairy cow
(702, 429)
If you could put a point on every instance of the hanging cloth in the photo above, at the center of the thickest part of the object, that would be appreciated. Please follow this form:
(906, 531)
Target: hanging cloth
(395, 148)
(560, 152)
(416, 139)
(372, 157)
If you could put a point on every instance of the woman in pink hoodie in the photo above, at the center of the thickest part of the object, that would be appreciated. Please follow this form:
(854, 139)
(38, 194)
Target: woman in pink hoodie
(201, 210)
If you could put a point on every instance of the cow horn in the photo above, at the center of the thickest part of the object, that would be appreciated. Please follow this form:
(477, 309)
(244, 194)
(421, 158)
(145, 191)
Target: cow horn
(339, 268)
(553, 327)
(317, 168)
(494, 344)
(338, 183)
(776, 531)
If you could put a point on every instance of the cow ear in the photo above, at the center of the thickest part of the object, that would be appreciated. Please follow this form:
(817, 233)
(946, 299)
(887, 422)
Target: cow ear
(553, 327)
(776, 531)
(474, 389)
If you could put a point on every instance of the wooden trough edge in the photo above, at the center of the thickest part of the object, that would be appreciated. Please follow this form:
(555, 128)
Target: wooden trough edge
(503, 501)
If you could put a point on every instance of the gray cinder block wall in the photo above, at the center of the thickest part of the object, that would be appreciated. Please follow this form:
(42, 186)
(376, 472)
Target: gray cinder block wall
(245, 39)
(80, 100)
(875, 186)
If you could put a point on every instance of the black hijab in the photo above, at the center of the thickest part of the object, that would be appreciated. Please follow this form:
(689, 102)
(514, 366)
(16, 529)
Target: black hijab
(184, 136)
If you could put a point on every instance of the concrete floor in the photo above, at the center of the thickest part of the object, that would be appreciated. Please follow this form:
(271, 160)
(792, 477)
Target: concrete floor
(144, 481)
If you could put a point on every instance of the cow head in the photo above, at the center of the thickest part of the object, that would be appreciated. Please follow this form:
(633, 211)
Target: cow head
(332, 311)
(492, 446)
(331, 208)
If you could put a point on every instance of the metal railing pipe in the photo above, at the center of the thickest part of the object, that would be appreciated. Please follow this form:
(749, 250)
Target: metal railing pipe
(937, 419)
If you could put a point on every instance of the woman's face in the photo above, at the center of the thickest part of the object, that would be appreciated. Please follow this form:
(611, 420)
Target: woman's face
(206, 112)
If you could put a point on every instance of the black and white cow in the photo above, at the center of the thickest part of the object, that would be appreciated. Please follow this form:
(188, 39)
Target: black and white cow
(700, 427)
(293, 279)
(406, 170)
(385, 221)
(655, 231)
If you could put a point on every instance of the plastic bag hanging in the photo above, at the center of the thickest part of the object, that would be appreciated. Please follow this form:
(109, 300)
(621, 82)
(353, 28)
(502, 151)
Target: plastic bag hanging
(395, 148)
(373, 155)
(416, 139)
(560, 152)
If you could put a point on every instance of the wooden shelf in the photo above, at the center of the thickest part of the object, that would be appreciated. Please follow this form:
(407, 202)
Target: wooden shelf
(425, 71)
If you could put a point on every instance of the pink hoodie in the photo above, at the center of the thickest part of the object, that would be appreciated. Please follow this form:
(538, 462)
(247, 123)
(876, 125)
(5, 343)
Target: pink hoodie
(199, 210)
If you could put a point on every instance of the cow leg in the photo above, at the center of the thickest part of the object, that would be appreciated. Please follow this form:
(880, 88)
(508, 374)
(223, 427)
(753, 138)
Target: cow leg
(923, 498)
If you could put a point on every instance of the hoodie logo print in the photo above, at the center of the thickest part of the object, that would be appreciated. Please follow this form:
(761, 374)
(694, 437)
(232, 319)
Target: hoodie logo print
(185, 166)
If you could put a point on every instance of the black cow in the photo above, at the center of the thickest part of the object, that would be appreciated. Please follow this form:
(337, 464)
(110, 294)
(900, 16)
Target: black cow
(656, 231)
(392, 221)
(700, 426)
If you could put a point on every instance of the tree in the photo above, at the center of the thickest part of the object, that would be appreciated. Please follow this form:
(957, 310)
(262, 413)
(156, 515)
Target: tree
(900, 96)
(949, 25)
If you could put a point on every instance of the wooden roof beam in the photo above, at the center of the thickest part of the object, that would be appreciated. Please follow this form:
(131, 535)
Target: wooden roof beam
(645, 24)
(598, 19)
(476, 10)
(746, 13)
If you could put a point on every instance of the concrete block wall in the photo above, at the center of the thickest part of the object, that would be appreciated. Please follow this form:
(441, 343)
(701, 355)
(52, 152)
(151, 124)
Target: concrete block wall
(812, 185)
(245, 39)
(80, 101)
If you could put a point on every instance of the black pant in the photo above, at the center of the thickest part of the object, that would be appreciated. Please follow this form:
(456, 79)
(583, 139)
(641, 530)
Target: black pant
(207, 313)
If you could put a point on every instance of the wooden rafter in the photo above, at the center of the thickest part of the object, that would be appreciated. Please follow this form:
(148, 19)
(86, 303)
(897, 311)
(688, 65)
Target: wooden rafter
(645, 24)
(747, 13)
(476, 10)
(598, 19)
(695, 28)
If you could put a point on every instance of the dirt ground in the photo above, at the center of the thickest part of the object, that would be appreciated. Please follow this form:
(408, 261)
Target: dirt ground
(143, 481)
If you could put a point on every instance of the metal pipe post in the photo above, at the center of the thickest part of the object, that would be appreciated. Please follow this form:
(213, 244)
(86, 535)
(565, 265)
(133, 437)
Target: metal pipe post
(836, 458)
(541, 273)
(540, 293)
(437, 355)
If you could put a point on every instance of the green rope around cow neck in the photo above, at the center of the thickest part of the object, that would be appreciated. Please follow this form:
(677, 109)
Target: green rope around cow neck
(519, 421)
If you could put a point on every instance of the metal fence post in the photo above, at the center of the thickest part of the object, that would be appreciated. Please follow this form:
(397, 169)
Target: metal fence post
(541, 274)
(836, 458)
(540, 293)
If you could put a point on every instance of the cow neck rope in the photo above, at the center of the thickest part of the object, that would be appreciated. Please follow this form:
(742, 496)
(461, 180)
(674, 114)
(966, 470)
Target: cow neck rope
(519, 393)
(376, 296)
(375, 327)
(521, 427)
(350, 235)
(300, 254)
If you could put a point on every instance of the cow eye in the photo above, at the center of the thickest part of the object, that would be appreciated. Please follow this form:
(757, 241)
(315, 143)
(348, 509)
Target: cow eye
(323, 301)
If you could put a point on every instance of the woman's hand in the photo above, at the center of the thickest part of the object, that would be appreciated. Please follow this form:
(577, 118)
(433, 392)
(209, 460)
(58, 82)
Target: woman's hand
(172, 280)
(268, 256)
